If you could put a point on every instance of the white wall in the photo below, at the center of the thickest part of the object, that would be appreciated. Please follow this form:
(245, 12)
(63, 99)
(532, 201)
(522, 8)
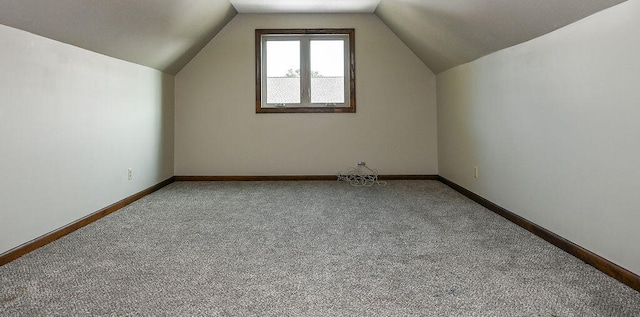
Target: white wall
(554, 127)
(71, 123)
(219, 133)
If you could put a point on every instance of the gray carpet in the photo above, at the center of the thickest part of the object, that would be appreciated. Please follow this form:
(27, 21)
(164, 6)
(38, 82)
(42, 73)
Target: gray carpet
(317, 248)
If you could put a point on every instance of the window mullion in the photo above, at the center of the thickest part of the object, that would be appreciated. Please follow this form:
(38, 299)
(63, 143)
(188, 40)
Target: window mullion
(347, 72)
(305, 72)
(263, 70)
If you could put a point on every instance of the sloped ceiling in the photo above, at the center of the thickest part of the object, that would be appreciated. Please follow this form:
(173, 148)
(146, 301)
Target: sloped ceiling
(161, 34)
(167, 34)
(444, 34)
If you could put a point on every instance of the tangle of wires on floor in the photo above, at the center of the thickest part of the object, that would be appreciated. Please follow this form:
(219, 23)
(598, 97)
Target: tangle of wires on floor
(361, 176)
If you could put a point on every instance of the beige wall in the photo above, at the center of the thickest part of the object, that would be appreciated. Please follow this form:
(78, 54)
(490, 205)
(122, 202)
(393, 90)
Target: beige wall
(219, 133)
(71, 123)
(553, 125)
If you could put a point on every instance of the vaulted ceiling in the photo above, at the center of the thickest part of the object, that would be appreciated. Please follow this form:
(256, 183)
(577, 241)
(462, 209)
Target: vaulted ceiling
(167, 34)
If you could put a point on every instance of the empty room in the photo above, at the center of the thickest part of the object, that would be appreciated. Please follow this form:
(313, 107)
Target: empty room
(320, 158)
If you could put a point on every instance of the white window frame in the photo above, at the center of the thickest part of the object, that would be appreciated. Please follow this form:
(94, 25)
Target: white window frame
(305, 36)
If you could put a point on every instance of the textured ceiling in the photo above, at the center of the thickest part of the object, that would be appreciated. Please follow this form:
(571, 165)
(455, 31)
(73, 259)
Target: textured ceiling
(167, 34)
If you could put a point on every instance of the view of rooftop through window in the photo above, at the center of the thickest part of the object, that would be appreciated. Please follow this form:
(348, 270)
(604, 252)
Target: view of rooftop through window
(326, 69)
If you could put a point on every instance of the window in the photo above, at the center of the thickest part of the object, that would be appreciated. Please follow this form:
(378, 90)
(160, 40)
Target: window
(305, 70)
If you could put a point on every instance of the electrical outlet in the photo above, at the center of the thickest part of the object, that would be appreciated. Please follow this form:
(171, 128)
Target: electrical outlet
(361, 163)
(475, 172)
(130, 174)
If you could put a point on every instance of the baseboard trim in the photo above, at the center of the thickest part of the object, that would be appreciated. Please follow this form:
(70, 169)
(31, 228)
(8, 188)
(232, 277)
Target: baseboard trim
(254, 178)
(408, 177)
(294, 178)
(63, 231)
(619, 273)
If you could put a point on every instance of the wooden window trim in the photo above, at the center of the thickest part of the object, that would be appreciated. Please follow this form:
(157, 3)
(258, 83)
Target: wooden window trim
(351, 70)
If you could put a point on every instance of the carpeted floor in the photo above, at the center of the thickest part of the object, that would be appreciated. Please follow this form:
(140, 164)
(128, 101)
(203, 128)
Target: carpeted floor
(317, 248)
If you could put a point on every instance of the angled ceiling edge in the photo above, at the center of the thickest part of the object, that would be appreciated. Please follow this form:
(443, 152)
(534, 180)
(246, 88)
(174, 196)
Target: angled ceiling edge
(445, 34)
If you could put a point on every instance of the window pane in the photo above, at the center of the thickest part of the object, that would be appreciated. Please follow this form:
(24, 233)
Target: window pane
(283, 71)
(327, 71)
